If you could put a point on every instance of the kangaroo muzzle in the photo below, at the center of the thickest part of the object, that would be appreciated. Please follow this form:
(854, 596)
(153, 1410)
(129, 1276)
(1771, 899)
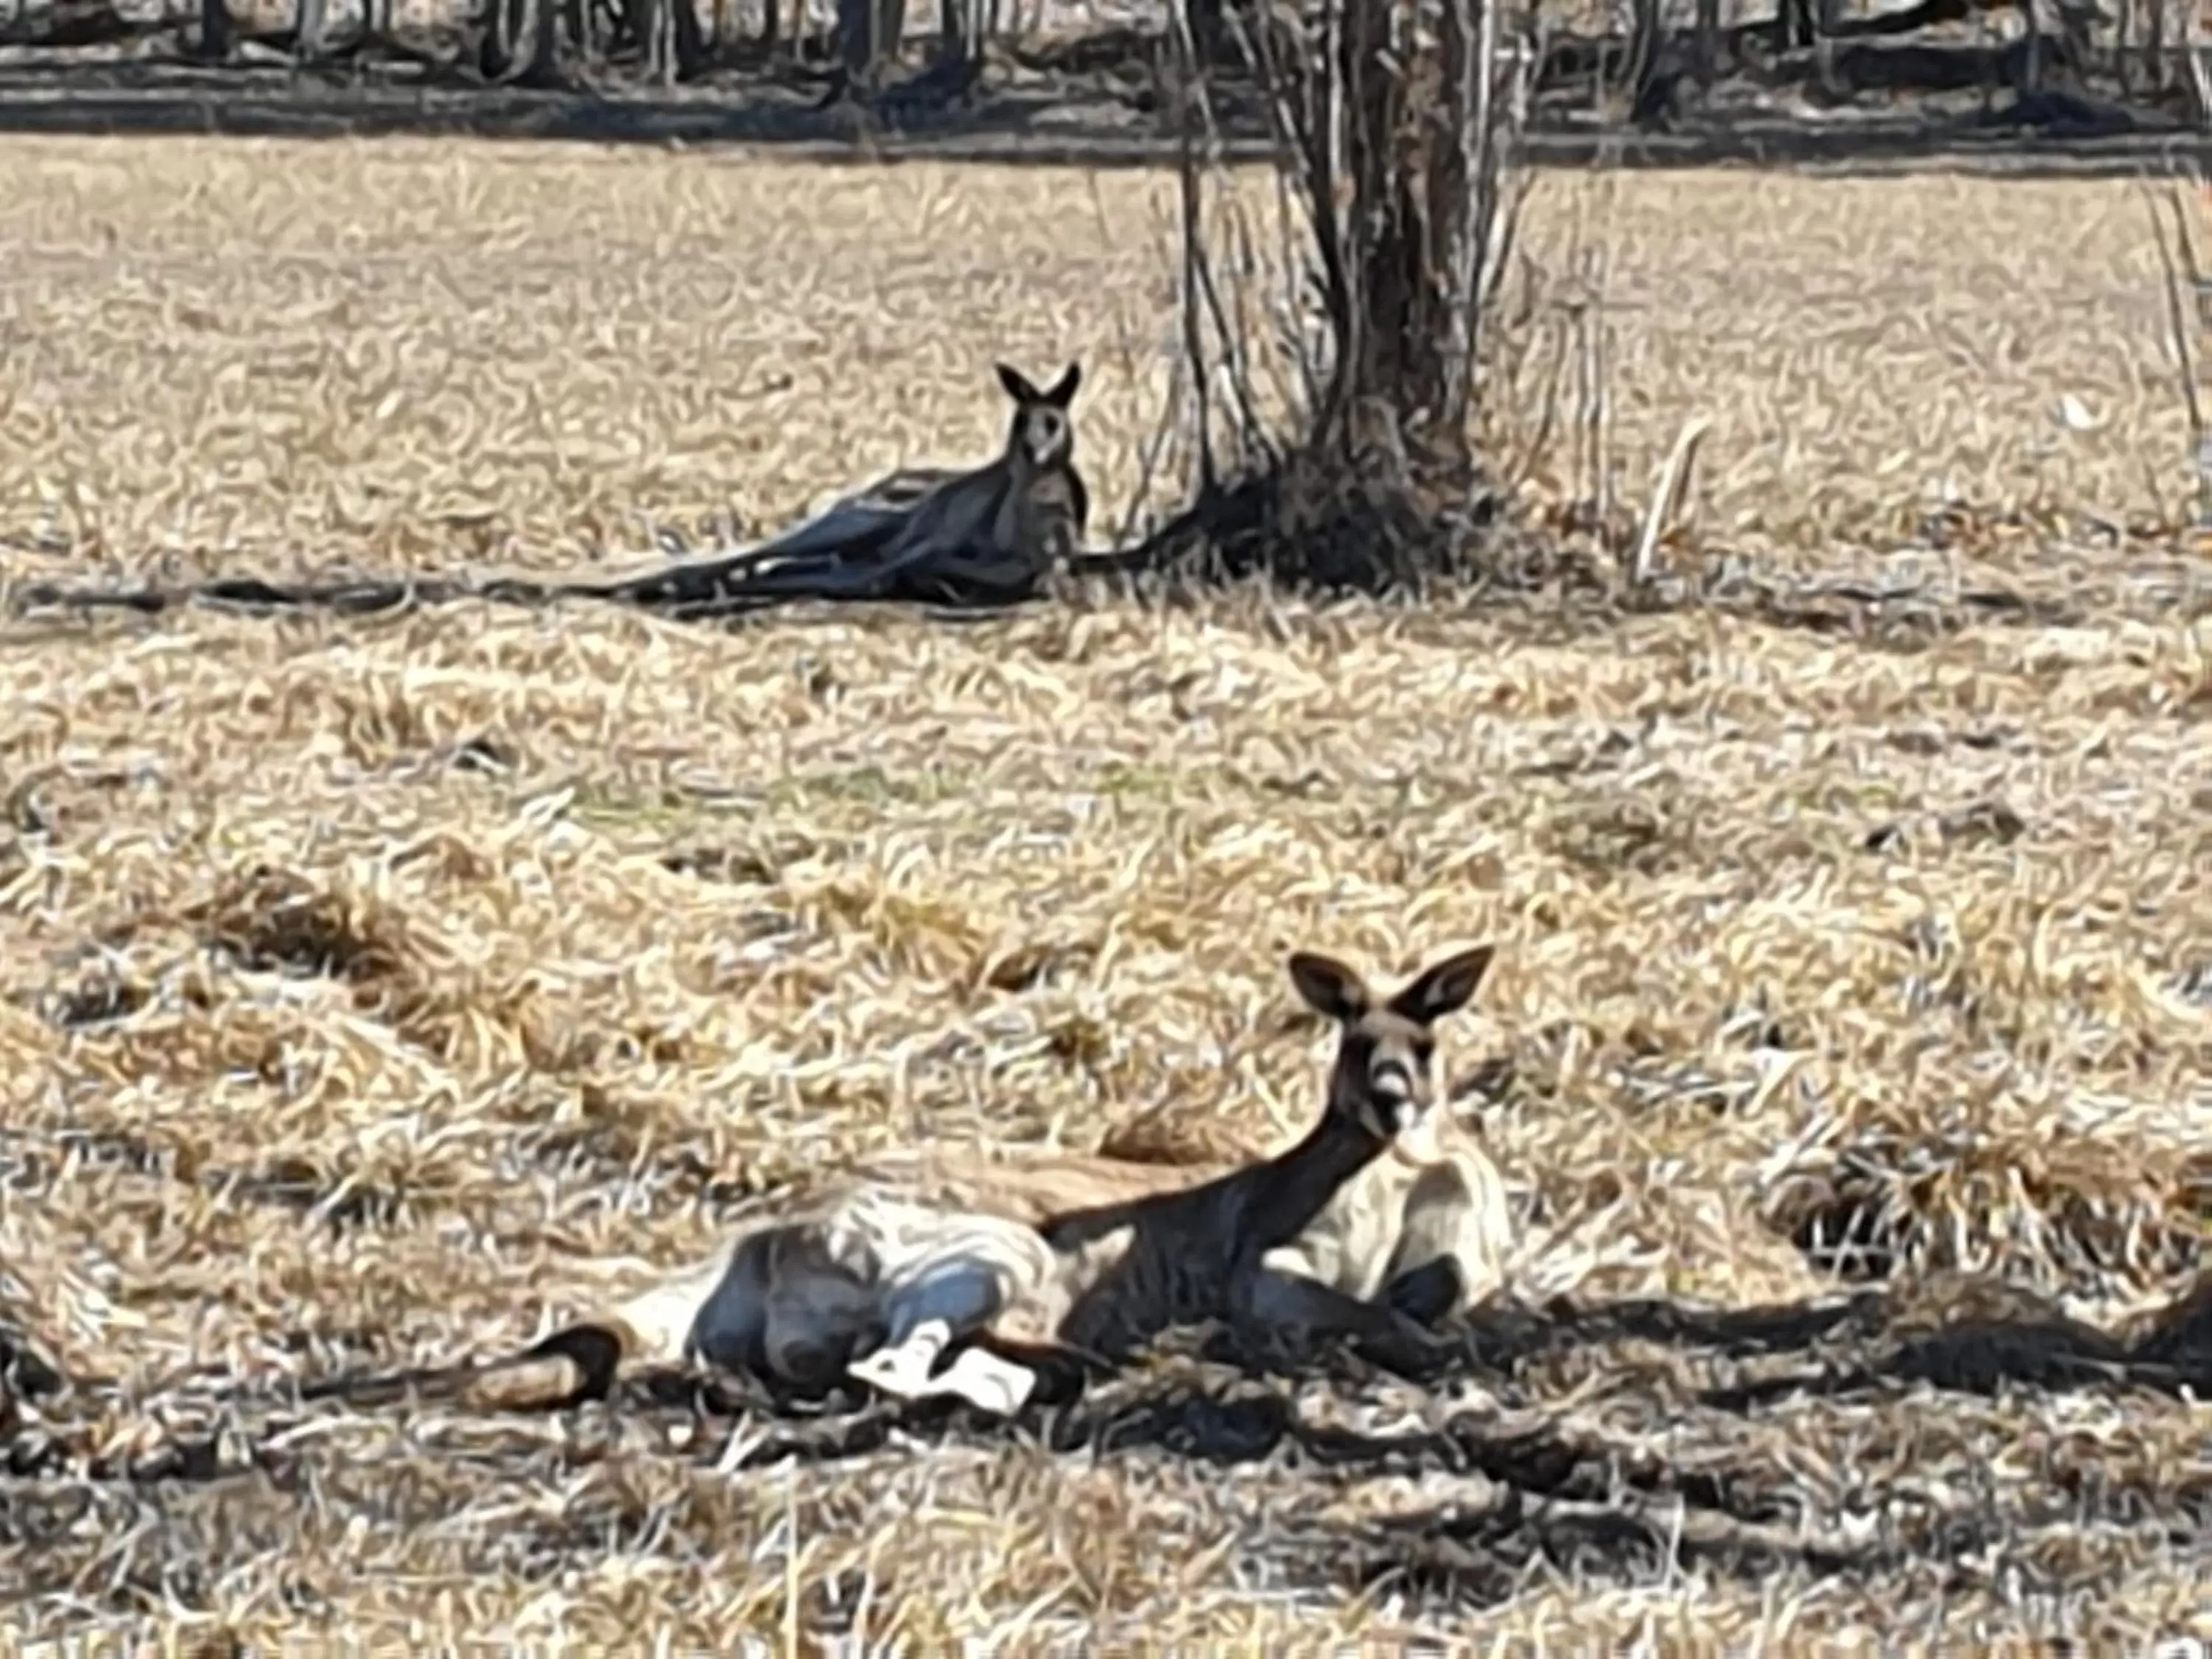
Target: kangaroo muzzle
(1392, 1089)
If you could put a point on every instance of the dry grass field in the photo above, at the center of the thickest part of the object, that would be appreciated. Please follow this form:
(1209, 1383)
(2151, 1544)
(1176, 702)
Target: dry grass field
(368, 981)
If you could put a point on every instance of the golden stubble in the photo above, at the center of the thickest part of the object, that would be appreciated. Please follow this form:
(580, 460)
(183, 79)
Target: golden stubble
(365, 982)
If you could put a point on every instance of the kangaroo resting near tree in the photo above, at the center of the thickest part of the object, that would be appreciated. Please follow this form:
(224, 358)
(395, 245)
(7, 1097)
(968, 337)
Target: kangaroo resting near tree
(975, 536)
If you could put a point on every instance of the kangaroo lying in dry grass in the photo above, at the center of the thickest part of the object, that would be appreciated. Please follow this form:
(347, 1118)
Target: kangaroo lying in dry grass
(974, 536)
(1048, 507)
(1380, 1219)
(942, 532)
(1029, 506)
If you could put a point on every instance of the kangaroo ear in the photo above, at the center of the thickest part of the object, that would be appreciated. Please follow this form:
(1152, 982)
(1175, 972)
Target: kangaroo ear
(1330, 987)
(1063, 389)
(1017, 386)
(1443, 987)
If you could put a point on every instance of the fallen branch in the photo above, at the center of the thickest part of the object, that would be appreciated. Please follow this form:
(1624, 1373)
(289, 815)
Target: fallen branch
(1666, 498)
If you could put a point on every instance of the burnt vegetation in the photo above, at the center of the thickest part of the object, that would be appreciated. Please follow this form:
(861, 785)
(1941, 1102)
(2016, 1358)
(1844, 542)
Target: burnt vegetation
(1914, 73)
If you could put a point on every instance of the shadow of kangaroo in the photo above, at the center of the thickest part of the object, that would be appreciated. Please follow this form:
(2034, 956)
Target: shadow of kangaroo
(1376, 1221)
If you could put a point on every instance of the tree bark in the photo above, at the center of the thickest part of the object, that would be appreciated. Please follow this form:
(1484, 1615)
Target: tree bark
(959, 28)
(214, 28)
(869, 33)
(1643, 50)
(544, 69)
(498, 43)
(669, 34)
(1208, 28)
(309, 20)
(1394, 117)
(1408, 184)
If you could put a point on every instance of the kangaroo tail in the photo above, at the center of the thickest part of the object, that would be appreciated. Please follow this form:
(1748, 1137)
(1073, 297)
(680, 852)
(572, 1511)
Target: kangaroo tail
(576, 1364)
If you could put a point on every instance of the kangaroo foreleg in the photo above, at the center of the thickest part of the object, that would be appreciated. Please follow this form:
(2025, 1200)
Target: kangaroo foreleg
(1278, 1298)
(1427, 1293)
(937, 1309)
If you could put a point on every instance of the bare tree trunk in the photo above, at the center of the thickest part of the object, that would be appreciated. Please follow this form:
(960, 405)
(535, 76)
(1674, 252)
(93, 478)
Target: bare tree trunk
(1827, 14)
(963, 28)
(1207, 32)
(687, 38)
(1708, 42)
(1644, 33)
(544, 69)
(214, 28)
(309, 18)
(675, 44)
(669, 35)
(869, 33)
(856, 42)
(889, 32)
(2200, 84)
(496, 43)
(1393, 119)
(2155, 49)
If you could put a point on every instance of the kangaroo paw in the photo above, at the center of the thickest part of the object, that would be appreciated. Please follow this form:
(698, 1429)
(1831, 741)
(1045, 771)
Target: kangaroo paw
(986, 1382)
(902, 1371)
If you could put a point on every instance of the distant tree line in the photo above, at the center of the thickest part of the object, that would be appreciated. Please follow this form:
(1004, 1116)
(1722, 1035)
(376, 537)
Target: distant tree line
(1658, 59)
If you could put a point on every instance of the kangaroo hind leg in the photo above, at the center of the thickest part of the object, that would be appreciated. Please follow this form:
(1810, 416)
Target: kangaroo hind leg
(1435, 1269)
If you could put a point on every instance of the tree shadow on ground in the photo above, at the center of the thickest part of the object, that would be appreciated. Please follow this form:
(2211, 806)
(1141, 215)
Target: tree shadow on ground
(1620, 1443)
(1625, 1442)
(1211, 1402)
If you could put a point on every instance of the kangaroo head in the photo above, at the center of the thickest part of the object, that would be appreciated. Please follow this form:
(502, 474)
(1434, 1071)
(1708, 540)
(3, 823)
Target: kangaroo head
(1040, 432)
(1384, 1080)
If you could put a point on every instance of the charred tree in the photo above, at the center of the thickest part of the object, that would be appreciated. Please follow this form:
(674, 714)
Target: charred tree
(869, 35)
(668, 32)
(964, 29)
(497, 34)
(521, 41)
(544, 67)
(1393, 123)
